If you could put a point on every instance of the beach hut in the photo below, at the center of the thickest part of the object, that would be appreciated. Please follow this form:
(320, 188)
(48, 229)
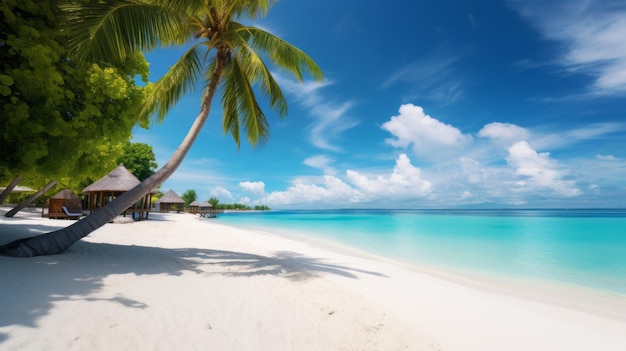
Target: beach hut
(112, 185)
(194, 206)
(65, 198)
(205, 209)
(171, 202)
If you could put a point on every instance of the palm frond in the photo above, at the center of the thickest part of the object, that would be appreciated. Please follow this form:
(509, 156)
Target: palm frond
(285, 55)
(190, 7)
(181, 78)
(112, 30)
(258, 73)
(241, 107)
(249, 8)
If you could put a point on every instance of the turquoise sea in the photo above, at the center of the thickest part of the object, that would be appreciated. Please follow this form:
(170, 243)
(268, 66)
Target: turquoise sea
(581, 248)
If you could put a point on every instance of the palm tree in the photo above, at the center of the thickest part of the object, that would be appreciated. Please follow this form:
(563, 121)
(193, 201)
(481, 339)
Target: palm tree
(213, 201)
(222, 54)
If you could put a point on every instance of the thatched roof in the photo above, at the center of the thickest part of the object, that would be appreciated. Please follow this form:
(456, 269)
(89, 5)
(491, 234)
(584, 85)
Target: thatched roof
(65, 194)
(205, 204)
(171, 197)
(194, 203)
(120, 179)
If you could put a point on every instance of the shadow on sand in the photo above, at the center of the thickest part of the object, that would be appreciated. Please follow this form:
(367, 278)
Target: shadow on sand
(80, 272)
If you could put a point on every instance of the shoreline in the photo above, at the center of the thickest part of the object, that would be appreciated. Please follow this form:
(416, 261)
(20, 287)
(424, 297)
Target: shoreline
(204, 283)
(603, 303)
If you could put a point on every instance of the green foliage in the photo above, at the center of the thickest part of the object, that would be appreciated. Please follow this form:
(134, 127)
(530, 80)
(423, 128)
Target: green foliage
(223, 55)
(213, 201)
(241, 207)
(139, 159)
(60, 119)
(189, 196)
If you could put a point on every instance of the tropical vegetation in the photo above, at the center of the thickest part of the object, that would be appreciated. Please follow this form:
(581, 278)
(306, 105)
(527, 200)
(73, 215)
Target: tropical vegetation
(139, 159)
(242, 207)
(224, 55)
(61, 119)
(189, 196)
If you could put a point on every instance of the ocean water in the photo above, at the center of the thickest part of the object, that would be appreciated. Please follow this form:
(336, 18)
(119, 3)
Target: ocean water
(582, 248)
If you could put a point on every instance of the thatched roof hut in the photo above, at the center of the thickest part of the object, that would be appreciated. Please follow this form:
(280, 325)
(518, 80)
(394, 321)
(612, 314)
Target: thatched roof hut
(64, 198)
(205, 209)
(65, 194)
(171, 201)
(205, 206)
(112, 185)
(193, 207)
(118, 180)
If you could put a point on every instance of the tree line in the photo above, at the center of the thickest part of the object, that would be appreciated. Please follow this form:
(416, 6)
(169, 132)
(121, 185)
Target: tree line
(191, 195)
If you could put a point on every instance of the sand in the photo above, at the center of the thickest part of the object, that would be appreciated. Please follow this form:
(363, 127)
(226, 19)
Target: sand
(178, 282)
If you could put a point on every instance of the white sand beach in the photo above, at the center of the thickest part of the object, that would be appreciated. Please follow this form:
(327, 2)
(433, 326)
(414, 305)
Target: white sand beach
(179, 282)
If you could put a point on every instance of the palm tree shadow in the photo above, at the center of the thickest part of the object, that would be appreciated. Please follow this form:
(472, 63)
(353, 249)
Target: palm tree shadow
(80, 273)
(287, 264)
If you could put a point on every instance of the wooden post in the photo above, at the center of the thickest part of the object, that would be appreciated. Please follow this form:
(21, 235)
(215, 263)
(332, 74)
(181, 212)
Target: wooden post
(30, 199)
(10, 188)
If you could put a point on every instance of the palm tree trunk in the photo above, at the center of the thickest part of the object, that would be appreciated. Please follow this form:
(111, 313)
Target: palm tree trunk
(9, 188)
(30, 199)
(58, 241)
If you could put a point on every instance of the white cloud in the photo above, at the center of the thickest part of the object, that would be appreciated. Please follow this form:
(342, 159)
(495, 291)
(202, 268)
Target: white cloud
(504, 134)
(221, 193)
(431, 138)
(320, 162)
(538, 170)
(405, 181)
(257, 188)
(330, 117)
(593, 131)
(332, 190)
(432, 77)
(567, 138)
(501, 168)
(473, 171)
(606, 158)
(591, 33)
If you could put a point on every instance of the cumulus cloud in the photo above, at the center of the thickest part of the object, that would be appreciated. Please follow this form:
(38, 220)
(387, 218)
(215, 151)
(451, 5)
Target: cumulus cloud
(473, 171)
(405, 181)
(221, 193)
(538, 170)
(431, 138)
(244, 200)
(332, 190)
(505, 170)
(257, 188)
(592, 36)
(504, 134)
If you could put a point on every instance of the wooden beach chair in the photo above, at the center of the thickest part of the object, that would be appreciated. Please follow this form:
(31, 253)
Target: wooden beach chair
(72, 214)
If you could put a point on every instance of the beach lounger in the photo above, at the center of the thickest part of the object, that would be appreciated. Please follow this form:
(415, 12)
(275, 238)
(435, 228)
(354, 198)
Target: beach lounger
(73, 215)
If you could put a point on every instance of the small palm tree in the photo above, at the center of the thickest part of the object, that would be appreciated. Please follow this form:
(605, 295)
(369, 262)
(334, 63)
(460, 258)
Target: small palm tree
(223, 55)
(213, 201)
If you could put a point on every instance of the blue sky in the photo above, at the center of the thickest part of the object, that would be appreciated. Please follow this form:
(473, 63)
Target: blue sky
(427, 104)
